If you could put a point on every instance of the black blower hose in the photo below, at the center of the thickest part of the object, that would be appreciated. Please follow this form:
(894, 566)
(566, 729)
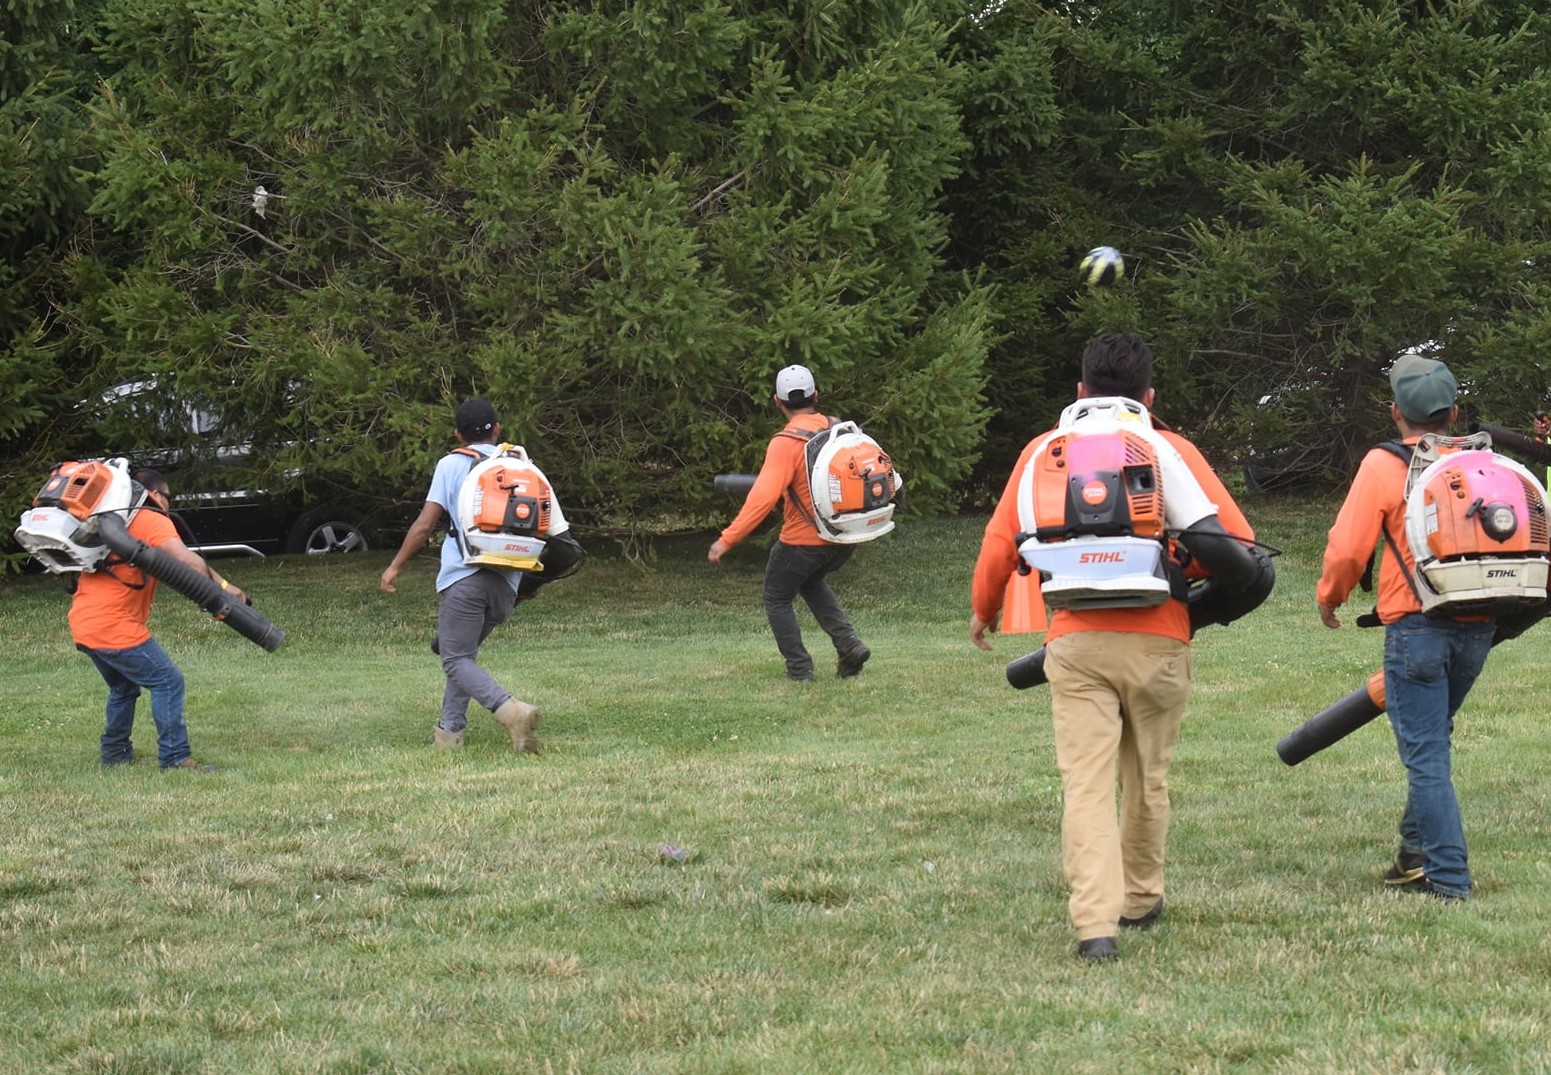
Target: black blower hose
(1340, 719)
(734, 484)
(203, 591)
(1333, 723)
(1502, 437)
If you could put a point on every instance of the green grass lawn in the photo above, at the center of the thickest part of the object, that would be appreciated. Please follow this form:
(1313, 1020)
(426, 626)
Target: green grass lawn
(870, 878)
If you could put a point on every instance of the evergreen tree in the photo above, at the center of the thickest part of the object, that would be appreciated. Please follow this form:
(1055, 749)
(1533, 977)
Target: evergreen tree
(1303, 190)
(46, 75)
(615, 220)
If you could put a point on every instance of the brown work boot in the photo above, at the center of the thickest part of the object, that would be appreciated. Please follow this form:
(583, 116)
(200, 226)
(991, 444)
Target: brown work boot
(520, 721)
(442, 739)
(193, 766)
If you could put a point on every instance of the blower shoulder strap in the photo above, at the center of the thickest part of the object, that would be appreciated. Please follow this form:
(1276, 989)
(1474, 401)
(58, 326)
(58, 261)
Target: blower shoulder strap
(475, 458)
(806, 436)
(1403, 452)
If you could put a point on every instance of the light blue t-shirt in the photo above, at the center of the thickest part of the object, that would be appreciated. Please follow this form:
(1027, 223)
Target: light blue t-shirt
(445, 483)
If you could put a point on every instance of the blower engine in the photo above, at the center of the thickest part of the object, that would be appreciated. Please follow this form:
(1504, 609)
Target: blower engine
(1477, 526)
(1095, 502)
(62, 528)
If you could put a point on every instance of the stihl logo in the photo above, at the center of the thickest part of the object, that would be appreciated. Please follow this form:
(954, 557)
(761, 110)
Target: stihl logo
(1501, 573)
(1102, 558)
(1095, 493)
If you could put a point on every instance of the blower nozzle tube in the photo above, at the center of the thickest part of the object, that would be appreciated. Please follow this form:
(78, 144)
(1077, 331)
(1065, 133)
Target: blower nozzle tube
(734, 484)
(1503, 437)
(203, 591)
(1340, 720)
(1334, 722)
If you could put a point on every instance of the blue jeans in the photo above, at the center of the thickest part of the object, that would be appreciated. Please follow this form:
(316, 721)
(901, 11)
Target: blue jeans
(127, 672)
(1429, 667)
(794, 571)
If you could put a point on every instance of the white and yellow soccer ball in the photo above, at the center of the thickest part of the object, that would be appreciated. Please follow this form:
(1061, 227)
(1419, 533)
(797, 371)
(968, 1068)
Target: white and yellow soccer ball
(1102, 266)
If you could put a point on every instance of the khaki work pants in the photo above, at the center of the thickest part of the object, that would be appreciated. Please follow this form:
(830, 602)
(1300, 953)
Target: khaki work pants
(1116, 701)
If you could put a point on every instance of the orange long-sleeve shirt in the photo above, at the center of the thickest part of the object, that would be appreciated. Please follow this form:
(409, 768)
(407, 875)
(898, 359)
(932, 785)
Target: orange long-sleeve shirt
(782, 470)
(999, 557)
(1375, 504)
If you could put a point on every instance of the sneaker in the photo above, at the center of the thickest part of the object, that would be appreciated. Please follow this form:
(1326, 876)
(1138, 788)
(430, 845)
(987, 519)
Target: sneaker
(442, 739)
(851, 661)
(192, 766)
(520, 721)
(1405, 870)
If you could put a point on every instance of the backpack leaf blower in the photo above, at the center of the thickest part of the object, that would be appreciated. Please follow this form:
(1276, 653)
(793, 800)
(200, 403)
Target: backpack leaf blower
(1097, 503)
(81, 517)
(1477, 524)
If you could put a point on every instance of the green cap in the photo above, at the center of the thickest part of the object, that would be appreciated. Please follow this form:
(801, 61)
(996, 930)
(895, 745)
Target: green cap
(1424, 387)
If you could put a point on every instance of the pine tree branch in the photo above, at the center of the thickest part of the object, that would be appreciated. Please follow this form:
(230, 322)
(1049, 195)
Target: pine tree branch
(721, 188)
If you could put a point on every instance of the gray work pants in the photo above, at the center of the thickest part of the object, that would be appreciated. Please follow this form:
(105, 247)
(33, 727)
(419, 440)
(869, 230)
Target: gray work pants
(470, 609)
(800, 571)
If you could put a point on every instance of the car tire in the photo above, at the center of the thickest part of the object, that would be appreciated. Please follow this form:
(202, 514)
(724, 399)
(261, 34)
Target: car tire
(326, 531)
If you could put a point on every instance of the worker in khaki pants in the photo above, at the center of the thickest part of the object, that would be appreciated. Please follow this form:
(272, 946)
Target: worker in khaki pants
(1119, 679)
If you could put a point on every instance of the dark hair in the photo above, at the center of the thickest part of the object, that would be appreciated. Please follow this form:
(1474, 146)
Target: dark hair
(150, 480)
(1117, 364)
(1434, 423)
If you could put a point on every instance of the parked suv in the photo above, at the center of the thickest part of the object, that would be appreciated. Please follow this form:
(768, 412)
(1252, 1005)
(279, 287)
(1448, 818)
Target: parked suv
(217, 490)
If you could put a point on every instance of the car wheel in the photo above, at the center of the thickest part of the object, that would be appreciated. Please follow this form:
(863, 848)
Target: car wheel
(327, 531)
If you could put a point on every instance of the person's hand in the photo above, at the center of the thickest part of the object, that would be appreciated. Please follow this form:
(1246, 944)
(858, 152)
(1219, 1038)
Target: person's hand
(239, 593)
(389, 573)
(1327, 615)
(1543, 424)
(717, 551)
(977, 631)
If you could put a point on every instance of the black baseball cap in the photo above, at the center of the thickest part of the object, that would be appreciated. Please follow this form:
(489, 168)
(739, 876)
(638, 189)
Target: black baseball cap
(476, 419)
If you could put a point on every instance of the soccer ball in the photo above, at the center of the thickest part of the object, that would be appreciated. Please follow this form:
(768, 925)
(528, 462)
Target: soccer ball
(1102, 266)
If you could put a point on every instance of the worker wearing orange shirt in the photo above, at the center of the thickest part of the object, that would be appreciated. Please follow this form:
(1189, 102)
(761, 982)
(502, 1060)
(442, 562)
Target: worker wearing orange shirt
(1119, 680)
(1430, 661)
(800, 560)
(108, 623)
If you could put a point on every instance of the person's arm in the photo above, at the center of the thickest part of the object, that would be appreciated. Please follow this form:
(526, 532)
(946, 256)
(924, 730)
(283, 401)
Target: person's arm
(189, 558)
(420, 532)
(1229, 514)
(774, 476)
(1350, 544)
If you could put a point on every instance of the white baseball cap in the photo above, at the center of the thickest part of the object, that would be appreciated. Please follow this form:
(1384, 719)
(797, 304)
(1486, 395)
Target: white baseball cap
(795, 381)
